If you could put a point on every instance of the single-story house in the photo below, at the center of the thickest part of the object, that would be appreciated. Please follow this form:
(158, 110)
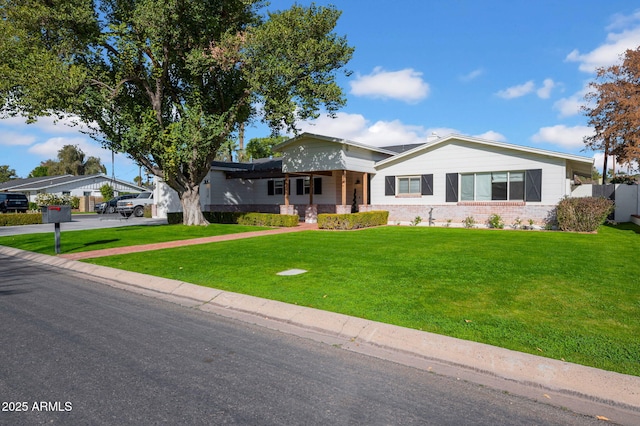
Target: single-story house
(443, 180)
(75, 186)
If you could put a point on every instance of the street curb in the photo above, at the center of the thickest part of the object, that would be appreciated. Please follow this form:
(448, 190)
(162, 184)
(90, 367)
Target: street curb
(558, 376)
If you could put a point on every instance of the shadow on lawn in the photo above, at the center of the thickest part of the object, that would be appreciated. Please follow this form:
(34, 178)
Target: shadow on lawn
(627, 226)
(93, 243)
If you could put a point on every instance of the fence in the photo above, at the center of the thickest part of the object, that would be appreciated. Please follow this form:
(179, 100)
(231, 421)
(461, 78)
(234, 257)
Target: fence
(626, 197)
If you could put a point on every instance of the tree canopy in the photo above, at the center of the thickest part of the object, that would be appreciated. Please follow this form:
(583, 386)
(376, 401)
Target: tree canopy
(170, 81)
(71, 161)
(263, 147)
(7, 174)
(614, 110)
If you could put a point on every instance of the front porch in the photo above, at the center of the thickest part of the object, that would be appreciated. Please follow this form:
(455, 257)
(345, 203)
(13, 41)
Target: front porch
(350, 190)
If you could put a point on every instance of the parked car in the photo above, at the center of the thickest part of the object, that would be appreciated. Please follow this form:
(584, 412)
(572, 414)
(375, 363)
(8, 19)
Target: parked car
(13, 202)
(111, 205)
(135, 206)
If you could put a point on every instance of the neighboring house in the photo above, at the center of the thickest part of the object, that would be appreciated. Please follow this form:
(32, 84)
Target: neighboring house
(78, 186)
(445, 179)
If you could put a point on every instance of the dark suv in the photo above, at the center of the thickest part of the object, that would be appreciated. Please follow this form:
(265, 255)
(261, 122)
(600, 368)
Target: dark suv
(110, 206)
(13, 202)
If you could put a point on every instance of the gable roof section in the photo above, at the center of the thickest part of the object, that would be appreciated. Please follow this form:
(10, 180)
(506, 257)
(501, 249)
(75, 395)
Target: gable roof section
(484, 142)
(306, 135)
(29, 183)
(46, 182)
(15, 184)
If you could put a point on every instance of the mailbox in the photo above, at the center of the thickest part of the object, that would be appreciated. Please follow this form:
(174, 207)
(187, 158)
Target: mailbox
(56, 214)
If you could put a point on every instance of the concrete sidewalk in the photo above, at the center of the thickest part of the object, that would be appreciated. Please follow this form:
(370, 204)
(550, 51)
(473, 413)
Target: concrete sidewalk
(585, 390)
(182, 243)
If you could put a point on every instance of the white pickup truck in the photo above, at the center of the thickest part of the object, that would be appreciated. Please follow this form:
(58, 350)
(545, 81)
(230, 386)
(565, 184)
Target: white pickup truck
(135, 206)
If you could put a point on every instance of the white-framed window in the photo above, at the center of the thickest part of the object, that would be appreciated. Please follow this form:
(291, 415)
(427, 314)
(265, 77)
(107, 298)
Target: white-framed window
(278, 187)
(306, 185)
(409, 185)
(492, 186)
(275, 187)
(412, 186)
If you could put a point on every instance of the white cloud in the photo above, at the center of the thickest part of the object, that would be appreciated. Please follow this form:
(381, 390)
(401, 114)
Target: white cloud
(343, 125)
(16, 139)
(357, 128)
(566, 137)
(517, 91)
(620, 21)
(47, 125)
(545, 91)
(472, 75)
(615, 45)
(49, 148)
(492, 136)
(394, 132)
(571, 105)
(405, 85)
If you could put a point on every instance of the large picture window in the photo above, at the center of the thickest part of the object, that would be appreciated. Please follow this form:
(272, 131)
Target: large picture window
(495, 186)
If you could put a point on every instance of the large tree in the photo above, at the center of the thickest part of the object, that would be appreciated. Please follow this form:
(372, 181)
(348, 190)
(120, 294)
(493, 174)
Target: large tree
(71, 161)
(169, 81)
(613, 109)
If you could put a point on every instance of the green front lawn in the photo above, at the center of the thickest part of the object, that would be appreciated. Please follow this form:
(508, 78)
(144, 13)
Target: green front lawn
(562, 295)
(97, 239)
(566, 296)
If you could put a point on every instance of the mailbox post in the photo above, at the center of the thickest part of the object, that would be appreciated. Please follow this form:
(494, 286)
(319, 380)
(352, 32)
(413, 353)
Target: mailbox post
(55, 215)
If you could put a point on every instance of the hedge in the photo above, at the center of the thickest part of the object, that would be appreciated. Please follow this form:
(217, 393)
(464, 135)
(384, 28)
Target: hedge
(242, 218)
(10, 219)
(353, 220)
(583, 214)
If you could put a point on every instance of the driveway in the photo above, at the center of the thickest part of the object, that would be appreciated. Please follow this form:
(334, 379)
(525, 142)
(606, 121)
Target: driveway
(82, 221)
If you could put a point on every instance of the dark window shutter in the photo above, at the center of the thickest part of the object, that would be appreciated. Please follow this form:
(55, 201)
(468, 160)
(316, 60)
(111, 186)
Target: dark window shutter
(270, 189)
(452, 188)
(389, 185)
(317, 186)
(299, 186)
(427, 184)
(533, 185)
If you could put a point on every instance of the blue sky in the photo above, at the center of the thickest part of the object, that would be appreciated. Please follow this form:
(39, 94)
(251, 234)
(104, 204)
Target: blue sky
(508, 70)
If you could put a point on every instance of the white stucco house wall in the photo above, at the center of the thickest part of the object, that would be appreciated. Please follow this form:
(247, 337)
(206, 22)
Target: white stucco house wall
(445, 179)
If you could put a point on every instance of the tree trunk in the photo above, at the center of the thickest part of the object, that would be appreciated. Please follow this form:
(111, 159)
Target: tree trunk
(191, 212)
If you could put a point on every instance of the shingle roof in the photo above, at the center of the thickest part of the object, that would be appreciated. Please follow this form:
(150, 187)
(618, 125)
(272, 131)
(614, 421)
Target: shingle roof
(41, 183)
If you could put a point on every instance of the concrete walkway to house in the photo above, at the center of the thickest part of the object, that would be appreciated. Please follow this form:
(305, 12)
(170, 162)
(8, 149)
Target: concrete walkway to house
(183, 243)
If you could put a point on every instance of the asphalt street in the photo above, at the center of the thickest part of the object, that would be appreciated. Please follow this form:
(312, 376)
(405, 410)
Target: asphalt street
(75, 351)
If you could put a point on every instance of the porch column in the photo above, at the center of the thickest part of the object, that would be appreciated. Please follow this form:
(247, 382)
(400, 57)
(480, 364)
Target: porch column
(365, 188)
(286, 189)
(344, 187)
(311, 212)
